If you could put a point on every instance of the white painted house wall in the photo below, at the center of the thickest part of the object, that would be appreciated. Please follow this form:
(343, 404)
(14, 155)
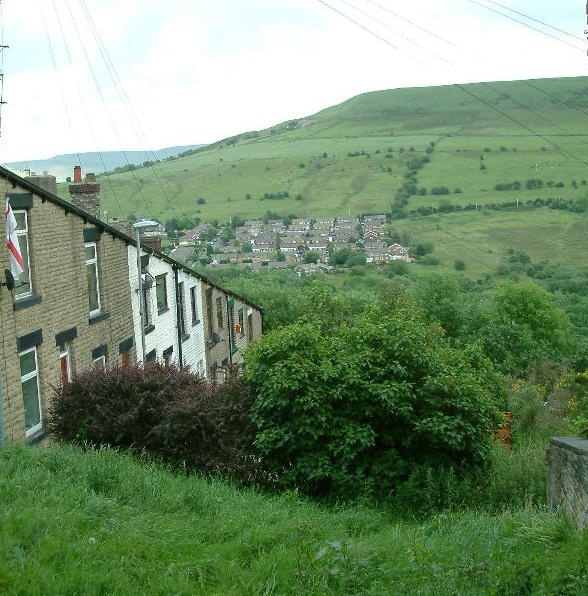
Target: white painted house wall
(193, 346)
(165, 328)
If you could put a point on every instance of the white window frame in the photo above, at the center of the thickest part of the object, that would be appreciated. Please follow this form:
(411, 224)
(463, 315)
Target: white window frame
(23, 240)
(161, 287)
(34, 374)
(194, 304)
(94, 261)
(99, 362)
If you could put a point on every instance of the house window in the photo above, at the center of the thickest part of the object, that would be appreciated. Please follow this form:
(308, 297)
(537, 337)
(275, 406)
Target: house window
(29, 379)
(209, 317)
(65, 363)
(92, 276)
(231, 322)
(167, 355)
(161, 291)
(125, 358)
(219, 313)
(147, 322)
(249, 326)
(181, 309)
(240, 327)
(23, 286)
(99, 362)
(193, 305)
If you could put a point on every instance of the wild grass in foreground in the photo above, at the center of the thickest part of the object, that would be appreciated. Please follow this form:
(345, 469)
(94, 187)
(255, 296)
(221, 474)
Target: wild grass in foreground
(100, 522)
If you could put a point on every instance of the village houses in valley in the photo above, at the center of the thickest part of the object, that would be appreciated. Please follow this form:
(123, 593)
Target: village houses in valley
(76, 303)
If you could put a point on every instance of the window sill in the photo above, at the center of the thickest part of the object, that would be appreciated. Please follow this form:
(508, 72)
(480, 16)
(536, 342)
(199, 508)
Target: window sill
(149, 329)
(37, 437)
(185, 336)
(162, 310)
(21, 303)
(98, 318)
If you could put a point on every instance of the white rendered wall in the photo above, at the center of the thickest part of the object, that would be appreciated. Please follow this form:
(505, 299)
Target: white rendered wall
(165, 332)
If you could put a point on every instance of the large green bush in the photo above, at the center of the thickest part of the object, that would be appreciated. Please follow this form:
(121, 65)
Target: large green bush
(362, 407)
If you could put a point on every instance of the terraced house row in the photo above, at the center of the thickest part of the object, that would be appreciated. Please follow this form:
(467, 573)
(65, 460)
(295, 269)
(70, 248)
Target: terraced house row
(79, 304)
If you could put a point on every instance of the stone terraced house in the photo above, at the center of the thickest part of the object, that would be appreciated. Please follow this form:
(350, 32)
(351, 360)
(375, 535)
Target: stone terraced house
(77, 304)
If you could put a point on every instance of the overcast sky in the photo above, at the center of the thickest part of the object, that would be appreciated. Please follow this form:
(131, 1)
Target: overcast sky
(100, 75)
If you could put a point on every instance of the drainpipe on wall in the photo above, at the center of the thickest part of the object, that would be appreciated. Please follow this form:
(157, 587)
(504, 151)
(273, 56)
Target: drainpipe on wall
(178, 315)
(229, 329)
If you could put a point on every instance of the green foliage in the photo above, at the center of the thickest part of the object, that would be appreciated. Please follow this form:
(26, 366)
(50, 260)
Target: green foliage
(423, 248)
(340, 412)
(346, 257)
(441, 299)
(310, 256)
(520, 325)
(578, 404)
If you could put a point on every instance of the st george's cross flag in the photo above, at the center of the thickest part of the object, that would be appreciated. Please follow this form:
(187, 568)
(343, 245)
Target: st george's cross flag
(16, 263)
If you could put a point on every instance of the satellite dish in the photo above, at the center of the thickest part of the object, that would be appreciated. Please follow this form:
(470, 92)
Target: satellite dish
(9, 279)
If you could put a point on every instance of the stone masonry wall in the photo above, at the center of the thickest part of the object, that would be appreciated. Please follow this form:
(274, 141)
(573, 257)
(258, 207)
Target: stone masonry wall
(567, 478)
(60, 305)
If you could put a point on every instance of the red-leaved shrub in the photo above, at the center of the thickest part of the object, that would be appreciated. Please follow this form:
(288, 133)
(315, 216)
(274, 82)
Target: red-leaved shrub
(164, 410)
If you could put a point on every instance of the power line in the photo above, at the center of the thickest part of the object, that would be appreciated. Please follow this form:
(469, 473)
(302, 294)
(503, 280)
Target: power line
(522, 14)
(413, 24)
(525, 24)
(464, 89)
(416, 43)
(126, 102)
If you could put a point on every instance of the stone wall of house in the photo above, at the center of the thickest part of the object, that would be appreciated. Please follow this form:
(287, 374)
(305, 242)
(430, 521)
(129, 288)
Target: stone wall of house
(567, 478)
(226, 336)
(57, 312)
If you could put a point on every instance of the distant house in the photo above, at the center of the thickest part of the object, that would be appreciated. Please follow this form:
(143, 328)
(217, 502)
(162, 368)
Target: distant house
(373, 222)
(324, 223)
(398, 252)
(376, 252)
(191, 236)
(371, 236)
(182, 253)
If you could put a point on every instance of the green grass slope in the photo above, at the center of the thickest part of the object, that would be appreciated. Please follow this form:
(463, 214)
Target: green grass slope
(101, 523)
(352, 158)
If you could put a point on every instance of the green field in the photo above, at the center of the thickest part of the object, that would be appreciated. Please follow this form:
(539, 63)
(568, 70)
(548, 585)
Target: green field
(351, 158)
(481, 239)
(99, 522)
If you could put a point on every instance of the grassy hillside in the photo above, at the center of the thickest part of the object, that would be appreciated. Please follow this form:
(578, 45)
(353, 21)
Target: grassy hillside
(101, 523)
(482, 239)
(352, 158)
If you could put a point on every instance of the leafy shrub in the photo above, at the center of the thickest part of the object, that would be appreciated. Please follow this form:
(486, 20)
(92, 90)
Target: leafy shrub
(359, 408)
(118, 406)
(578, 404)
(164, 410)
(211, 431)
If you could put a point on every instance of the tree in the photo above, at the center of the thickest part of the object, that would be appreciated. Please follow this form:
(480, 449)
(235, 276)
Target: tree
(520, 326)
(363, 405)
(441, 301)
(423, 248)
(310, 256)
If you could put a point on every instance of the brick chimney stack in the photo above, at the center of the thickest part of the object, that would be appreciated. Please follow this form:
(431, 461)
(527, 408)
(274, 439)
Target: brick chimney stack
(85, 193)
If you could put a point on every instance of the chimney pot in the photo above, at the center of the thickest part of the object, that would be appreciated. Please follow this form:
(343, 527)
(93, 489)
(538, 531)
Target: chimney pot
(77, 174)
